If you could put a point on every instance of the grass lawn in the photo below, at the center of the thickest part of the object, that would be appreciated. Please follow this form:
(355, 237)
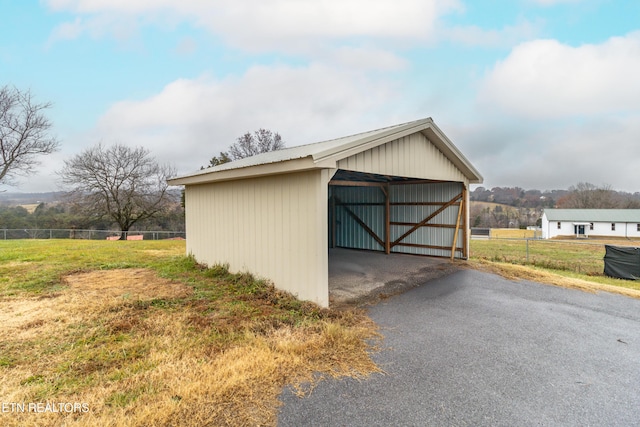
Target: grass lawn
(137, 334)
(550, 261)
(134, 333)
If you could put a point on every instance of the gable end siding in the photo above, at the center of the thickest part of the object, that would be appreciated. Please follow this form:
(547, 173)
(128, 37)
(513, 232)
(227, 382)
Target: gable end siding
(411, 156)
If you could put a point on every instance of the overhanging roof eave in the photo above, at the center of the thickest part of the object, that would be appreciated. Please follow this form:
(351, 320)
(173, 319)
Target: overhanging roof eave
(282, 167)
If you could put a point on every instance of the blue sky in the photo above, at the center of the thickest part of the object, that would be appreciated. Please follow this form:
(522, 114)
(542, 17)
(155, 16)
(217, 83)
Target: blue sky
(536, 93)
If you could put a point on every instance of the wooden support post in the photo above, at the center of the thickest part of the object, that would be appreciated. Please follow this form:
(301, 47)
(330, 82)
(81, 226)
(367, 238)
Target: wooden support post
(465, 223)
(457, 229)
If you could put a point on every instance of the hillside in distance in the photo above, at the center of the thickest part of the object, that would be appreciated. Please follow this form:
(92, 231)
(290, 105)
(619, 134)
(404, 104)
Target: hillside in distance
(514, 207)
(17, 199)
(518, 197)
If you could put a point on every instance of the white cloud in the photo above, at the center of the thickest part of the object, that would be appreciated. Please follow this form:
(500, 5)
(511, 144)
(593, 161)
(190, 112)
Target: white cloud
(362, 58)
(68, 30)
(548, 79)
(550, 156)
(120, 28)
(189, 121)
(273, 24)
(476, 36)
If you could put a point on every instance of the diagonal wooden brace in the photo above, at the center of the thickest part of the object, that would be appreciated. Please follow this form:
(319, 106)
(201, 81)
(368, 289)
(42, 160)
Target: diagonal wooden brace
(427, 219)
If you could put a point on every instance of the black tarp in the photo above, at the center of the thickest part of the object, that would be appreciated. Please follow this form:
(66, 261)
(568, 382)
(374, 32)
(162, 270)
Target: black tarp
(622, 262)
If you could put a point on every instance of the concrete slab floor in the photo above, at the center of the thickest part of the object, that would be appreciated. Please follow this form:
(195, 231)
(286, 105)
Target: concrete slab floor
(361, 277)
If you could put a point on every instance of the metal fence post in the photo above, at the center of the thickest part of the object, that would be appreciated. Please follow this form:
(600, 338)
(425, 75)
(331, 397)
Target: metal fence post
(527, 240)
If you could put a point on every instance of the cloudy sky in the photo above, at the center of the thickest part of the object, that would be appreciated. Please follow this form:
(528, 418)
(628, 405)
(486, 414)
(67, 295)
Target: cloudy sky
(536, 93)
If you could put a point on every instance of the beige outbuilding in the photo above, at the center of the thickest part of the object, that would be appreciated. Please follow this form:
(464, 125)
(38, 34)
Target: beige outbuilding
(401, 189)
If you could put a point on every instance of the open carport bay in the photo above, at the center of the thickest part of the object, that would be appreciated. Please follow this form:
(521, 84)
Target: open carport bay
(360, 276)
(475, 349)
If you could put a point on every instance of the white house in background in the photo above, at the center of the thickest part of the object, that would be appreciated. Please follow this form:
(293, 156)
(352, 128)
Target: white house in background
(591, 222)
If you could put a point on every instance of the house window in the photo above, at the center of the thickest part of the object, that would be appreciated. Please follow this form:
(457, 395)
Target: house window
(558, 225)
(591, 226)
(638, 227)
(613, 226)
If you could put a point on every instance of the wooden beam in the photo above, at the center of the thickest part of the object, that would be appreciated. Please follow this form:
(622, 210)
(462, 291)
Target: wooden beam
(362, 224)
(420, 204)
(417, 245)
(356, 184)
(427, 219)
(411, 224)
(455, 233)
(417, 181)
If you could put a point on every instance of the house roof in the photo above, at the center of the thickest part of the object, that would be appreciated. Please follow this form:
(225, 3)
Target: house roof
(325, 154)
(593, 215)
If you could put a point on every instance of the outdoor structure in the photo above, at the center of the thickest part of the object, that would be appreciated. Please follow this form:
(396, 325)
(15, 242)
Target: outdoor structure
(591, 222)
(400, 189)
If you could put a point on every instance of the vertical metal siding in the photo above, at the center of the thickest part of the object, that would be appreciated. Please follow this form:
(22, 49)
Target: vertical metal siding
(349, 234)
(436, 192)
(412, 156)
(273, 227)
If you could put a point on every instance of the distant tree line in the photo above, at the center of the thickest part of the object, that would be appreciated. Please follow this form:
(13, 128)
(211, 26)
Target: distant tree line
(581, 196)
(588, 196)
(65, 215)
(514, 207)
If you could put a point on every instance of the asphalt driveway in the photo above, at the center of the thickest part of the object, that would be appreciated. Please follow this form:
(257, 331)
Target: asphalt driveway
(474, 349)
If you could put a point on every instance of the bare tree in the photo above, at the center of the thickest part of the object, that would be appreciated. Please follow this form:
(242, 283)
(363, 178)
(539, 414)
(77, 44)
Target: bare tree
(220, 159)
(588, 196)
(261, 141)
(24, 133)
(119, 182)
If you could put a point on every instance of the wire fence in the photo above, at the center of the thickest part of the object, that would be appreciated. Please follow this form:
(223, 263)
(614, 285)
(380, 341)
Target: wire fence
(504, 233)
(38, 233)
(583, 257)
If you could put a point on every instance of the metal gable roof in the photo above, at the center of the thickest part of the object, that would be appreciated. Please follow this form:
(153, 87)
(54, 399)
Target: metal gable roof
(322, 154)
(593, 215)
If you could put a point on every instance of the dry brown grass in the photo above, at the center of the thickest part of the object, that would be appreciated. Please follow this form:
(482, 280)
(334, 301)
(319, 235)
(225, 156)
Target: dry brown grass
(577, 263)
(30, 207)
(520, 272)
(140, 350)
(512, 233)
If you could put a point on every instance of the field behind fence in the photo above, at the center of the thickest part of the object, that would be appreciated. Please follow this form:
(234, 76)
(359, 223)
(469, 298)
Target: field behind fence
(8, 234)
(582, 257)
